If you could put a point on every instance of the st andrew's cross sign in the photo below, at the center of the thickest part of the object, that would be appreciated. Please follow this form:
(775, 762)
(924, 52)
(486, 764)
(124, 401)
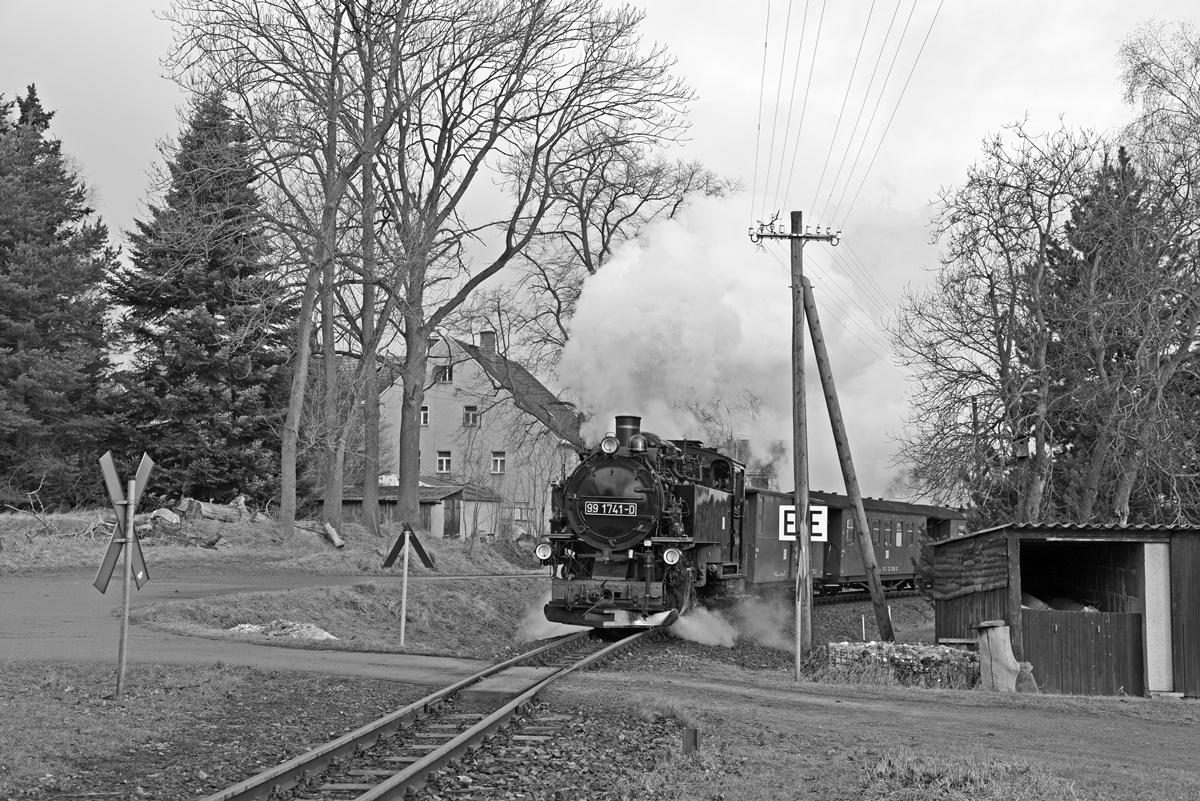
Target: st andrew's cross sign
(124, 534)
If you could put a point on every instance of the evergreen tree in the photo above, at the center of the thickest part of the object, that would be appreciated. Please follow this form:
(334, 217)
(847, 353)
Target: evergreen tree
(53, 259)
(202, 311)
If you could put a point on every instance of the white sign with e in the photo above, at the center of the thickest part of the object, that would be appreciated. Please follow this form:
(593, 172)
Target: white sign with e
(818, 523)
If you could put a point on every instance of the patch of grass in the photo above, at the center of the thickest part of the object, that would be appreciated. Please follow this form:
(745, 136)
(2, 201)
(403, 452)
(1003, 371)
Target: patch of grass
(75, 543)
(897, 777)
(477, 619)
(177, 732)
(655, 709)
(72, 704)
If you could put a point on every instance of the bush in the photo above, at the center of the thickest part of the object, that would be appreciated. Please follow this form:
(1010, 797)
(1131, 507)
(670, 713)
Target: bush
(890, 663)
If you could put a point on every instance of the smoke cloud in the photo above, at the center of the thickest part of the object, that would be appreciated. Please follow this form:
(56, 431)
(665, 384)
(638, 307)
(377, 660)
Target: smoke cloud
(534, 626)
(705, 627)
(691, 312)
(766, 622)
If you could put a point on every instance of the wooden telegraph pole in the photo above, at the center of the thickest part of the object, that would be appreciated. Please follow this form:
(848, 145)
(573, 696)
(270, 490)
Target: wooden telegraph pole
(840, 438)
(798, 237)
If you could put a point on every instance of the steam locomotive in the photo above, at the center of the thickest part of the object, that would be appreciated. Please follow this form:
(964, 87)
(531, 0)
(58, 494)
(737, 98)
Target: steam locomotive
(645, 528)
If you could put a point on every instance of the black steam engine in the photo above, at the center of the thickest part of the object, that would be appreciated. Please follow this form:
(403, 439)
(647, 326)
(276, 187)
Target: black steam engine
(645, 528)
(642, 529)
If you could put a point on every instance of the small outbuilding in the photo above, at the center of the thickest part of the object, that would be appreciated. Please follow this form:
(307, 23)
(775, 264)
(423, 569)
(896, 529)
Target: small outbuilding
(1097, 610)
(448, 509)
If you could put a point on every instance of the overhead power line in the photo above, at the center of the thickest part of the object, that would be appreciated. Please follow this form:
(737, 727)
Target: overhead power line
(762, 82)
(845, 99)
(861, 108)
(894, 110)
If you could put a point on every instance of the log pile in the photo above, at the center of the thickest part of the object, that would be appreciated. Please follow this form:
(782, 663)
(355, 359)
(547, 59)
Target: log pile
(226, 513)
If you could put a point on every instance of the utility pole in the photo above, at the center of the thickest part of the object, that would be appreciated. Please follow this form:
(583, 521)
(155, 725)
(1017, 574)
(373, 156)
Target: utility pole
(798, 237)
(841, 439)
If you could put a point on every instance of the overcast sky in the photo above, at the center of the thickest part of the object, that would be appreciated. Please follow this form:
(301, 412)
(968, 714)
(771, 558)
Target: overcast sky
(983, 64)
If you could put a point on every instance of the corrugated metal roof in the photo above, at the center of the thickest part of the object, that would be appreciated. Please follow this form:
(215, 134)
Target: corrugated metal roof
(1098, 528)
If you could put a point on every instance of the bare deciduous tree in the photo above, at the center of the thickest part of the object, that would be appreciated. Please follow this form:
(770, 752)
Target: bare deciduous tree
(979, 341)
(526, 91)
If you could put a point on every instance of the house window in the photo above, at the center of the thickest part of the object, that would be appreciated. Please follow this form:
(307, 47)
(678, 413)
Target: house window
(424, 415)
(497, 462)
(443, 463)
(470, 416)
(444, 374)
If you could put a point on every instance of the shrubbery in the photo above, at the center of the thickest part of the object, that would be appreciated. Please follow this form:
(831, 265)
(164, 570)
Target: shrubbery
(906, 664)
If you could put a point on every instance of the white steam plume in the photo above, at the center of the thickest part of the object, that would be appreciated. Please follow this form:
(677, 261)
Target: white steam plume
(705, 627)
(689, 312)
(534, 626)
(766, 622)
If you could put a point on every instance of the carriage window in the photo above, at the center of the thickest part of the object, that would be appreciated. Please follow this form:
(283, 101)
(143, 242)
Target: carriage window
(909, 535)
(887, 533)
(875, 531)
(900, 533)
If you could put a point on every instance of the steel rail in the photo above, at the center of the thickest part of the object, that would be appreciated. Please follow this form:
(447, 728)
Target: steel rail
(300, 768)
(414, 776)
(849, 597)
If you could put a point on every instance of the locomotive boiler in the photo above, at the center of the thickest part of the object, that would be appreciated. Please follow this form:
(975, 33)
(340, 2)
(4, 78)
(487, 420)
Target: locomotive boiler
(642, 529)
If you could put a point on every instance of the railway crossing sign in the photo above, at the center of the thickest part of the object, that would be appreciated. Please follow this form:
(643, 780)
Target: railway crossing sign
(410, 537)
(124, 533)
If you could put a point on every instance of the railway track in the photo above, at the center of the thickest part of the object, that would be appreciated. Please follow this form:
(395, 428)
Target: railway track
(395, 754)
(852, 597)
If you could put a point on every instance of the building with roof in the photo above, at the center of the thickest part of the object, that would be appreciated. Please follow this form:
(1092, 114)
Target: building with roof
(1096, 609)
(490, 425)
(447, 509)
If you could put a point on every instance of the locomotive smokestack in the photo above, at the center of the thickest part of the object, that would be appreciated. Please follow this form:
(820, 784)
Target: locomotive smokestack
(627, 426)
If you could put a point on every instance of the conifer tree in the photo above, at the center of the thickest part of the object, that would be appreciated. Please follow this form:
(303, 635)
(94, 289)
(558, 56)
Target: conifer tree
(53, 366)
(202, 396)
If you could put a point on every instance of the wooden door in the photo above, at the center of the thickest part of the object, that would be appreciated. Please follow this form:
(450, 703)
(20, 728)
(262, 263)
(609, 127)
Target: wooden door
(451, 525)
(1185, 613)
(1082, 653)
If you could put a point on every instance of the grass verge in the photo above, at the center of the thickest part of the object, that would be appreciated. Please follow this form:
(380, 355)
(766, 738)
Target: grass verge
(479, 618)
(73, 542)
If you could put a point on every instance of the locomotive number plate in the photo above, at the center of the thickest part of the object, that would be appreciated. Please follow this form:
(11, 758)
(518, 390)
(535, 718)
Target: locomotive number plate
(606, 508)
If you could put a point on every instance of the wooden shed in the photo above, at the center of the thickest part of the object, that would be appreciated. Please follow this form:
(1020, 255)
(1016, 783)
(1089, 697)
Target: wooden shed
(1139, 630)
(447, 509)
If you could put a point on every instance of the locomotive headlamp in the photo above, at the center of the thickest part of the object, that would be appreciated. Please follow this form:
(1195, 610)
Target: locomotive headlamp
(609, 444)
(671, 556)
(542, 551)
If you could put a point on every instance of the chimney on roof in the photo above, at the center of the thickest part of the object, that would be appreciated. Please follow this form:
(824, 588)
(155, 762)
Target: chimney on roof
(487, 341)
